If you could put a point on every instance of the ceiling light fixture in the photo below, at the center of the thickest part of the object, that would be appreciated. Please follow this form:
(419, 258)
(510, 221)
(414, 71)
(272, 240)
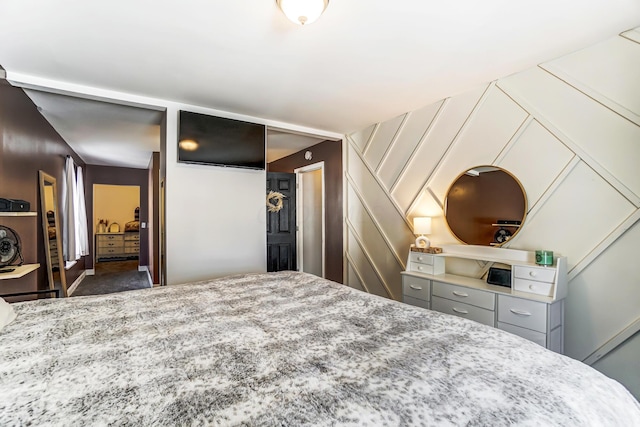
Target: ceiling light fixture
(302, 12)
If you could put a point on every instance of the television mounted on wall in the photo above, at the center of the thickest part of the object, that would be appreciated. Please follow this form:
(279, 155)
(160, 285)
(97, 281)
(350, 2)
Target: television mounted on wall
(219, 141)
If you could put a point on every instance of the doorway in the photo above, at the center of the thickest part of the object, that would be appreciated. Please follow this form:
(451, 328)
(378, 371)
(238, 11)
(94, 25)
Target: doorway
(281, 221)
(311, 219)
(116, 225)
(287, 152)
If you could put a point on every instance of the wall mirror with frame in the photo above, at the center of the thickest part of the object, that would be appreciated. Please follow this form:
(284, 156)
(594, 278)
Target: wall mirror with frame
(485, 205)
(51, 233)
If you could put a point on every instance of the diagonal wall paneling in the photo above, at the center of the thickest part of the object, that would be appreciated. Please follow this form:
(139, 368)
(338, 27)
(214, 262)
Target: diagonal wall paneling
(383, 257)
(588, 71)
(484, 136)
(384, 213)
(362, 138)
(590, 209)
(384, 134)
(415, 127)
(361, 262)
(569, 130)
(428, 154)
(633, 35)
(539, 146)
(607, 140)
(602, 285)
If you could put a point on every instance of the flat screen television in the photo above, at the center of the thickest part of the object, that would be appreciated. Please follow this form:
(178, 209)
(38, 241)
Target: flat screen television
(219, 141)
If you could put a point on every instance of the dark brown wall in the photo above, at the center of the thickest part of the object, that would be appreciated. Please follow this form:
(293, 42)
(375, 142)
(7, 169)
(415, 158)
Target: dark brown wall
(110, 175)
(154, 218)
(331, 153)
(28, 144)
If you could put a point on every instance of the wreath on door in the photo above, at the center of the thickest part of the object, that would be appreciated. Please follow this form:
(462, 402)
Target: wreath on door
(274, 201)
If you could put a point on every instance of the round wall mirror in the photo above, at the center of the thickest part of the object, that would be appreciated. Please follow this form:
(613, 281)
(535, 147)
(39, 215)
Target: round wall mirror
(485, 205)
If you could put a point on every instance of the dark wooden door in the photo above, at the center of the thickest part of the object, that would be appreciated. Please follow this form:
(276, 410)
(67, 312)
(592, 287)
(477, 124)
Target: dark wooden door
(281, 225)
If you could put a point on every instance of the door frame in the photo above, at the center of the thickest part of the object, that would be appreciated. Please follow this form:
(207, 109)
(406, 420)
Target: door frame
(300, 211)
(93, 242)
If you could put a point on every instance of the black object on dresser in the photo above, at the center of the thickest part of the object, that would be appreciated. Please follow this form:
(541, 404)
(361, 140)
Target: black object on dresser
(14, 205)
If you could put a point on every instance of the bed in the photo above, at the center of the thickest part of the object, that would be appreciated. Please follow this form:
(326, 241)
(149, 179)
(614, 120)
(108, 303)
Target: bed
(283, 349)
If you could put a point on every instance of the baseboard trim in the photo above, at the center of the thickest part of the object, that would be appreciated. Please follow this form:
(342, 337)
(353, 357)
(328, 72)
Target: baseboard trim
(146, 268)
(76, 282)
(91, 272)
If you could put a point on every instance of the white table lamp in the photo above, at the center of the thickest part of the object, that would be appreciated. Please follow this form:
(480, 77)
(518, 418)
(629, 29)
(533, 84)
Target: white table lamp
(422, 226)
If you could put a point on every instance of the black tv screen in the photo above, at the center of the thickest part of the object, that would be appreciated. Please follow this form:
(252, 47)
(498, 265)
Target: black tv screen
(218, 141)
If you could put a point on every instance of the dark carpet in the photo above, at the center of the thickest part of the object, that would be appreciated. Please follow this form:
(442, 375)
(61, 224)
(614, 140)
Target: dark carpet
(113, 276)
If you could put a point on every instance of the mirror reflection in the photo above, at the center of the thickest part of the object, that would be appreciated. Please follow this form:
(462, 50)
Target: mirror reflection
(485, 205)
(51, 233)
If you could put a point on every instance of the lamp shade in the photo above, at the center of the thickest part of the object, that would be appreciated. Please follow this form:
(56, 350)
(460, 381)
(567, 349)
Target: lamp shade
(422, 225)
(303, 12)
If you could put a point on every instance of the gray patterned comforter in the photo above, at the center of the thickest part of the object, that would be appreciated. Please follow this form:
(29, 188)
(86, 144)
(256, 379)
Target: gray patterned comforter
(283, 349)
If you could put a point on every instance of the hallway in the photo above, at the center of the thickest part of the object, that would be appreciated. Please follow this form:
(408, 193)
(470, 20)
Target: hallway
(113, 276)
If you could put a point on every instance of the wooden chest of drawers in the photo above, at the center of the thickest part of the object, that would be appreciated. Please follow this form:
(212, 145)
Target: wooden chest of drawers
(117, 245)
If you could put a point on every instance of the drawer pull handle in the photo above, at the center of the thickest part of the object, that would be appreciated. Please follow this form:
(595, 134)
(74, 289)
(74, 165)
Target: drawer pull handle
(532, 273)
(417, 288)
(457, 310)
(520, 312)
(460, 294)
(420, 268)
(420, 258)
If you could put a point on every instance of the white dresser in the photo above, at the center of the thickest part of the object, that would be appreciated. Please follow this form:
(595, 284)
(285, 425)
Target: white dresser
(532, 308)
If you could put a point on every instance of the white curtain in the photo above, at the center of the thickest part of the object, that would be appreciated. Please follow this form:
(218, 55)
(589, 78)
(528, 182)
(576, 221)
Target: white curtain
(69, 212)
(82, 232)
(75, 238)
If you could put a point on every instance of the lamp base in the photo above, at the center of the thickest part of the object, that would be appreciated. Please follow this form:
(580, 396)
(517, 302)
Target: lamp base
(422, 242)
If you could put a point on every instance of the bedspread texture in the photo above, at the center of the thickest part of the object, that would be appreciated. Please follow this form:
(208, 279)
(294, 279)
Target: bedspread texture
(283, 349)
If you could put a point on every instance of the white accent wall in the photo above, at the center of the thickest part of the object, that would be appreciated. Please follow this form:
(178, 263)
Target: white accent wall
(216, 217)
(569, 129)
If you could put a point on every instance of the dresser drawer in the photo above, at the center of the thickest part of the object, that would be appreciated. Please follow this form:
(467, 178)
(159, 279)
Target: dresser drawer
(107, 245)
(426, 263)
(521, 312)
(539, 288)
(110, 251)
(131, 251)
(132, 236)
(466, 311)
(416, 287)
(415, 301)
(421, 268)
(131, 244)
(539, 274)
(421, 258)
(536, 337)
(108, 237)
(475, 297)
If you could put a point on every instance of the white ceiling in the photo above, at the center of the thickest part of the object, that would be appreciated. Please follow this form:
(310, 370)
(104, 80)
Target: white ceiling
(102, 133)
(362, 62)
(108, 134)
